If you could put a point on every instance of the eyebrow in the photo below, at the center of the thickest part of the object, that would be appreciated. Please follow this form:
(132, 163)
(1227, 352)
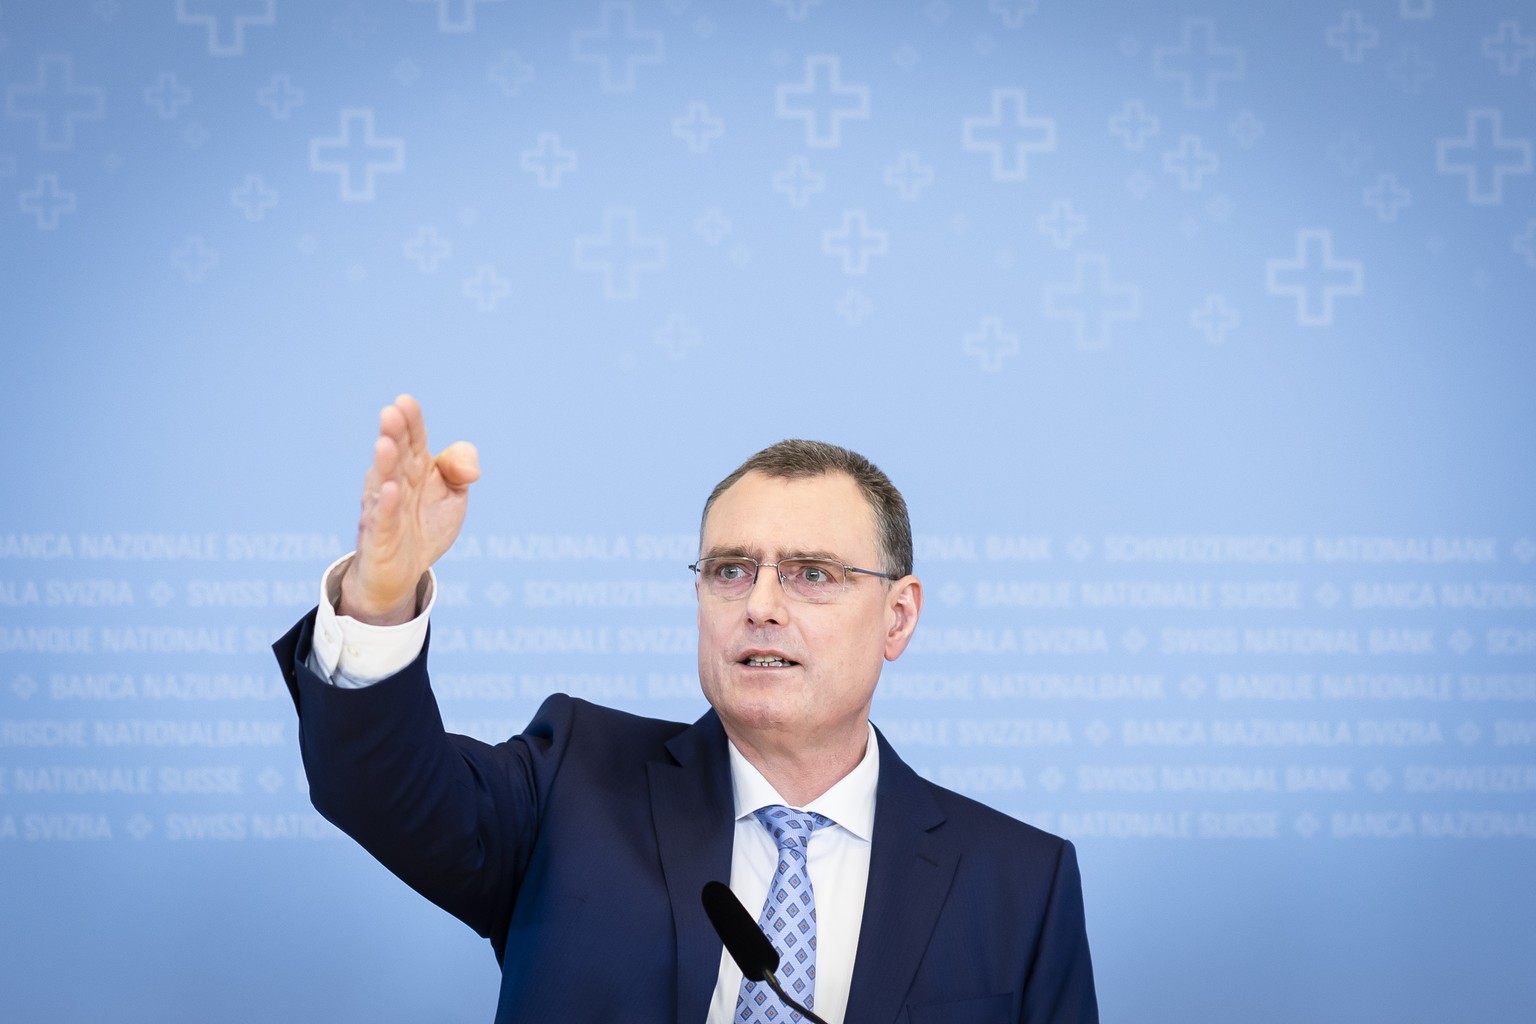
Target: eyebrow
(727, 551)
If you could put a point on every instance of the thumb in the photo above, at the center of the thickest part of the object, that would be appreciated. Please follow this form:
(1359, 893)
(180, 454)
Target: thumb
(459, 463)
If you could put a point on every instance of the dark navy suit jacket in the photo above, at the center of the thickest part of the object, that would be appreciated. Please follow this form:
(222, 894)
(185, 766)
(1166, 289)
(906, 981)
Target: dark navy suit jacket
(580, 847)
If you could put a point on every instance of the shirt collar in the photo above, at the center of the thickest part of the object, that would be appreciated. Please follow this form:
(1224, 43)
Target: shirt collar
(850, 802)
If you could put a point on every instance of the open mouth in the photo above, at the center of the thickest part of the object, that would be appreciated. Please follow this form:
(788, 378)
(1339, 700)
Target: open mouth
(767, 661)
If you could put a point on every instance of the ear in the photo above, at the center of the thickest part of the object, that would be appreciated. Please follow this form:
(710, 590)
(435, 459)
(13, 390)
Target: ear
(903, 605)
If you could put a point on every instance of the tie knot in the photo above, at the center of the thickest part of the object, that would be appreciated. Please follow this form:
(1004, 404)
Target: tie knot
(791, 829)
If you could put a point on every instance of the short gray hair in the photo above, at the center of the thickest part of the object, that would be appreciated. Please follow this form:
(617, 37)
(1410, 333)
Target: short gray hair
(795, 459)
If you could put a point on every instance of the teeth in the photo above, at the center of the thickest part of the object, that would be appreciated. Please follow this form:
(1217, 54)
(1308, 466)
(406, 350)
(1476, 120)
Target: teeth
(767, 661)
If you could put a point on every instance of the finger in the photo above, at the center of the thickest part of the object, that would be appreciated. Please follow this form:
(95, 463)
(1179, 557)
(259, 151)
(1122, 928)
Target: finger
(392, 423)
(388, 425)
(407, 428)
(392, 426)
(413, 461)
(415, 439)
(459, 464)
(386, 461)
(383, 470)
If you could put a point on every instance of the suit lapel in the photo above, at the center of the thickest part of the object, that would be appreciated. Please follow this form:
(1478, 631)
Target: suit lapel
(911, 865)
(691, 807)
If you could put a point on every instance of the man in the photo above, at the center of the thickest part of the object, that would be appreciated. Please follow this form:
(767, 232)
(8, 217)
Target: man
(580, 847)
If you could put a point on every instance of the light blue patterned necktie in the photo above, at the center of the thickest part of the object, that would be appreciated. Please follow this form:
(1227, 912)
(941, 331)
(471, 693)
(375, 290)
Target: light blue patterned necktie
(788, 919)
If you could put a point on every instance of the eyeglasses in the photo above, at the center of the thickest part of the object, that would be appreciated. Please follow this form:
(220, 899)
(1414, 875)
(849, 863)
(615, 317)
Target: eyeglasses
(817, 580)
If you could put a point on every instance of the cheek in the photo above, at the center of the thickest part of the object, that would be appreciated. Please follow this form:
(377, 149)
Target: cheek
(714, 633)
(847, 652)
(708, 623)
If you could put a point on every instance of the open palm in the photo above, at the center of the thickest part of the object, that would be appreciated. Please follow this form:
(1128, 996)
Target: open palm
(412, 510)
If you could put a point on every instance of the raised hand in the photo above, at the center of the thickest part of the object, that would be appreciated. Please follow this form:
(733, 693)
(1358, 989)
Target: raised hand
(413, 508)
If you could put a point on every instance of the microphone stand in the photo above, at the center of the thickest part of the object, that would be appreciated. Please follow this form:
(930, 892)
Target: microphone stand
(746, 943)
(773, 983)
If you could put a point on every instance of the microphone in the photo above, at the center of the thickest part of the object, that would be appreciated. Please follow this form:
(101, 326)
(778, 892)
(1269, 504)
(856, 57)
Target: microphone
(746, 943)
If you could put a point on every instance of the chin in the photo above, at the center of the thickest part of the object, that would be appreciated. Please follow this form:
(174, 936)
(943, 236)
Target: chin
(760, 712)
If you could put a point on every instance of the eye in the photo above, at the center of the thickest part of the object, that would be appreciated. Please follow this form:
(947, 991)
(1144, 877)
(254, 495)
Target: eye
(731, 571)
(817, 574)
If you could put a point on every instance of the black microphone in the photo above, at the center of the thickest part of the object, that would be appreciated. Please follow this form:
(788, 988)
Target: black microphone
(746, 943)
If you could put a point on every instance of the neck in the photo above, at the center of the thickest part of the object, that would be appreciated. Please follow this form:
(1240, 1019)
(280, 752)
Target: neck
(798, 772)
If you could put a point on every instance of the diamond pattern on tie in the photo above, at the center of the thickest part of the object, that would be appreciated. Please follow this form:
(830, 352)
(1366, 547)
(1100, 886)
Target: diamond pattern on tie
(788, 918)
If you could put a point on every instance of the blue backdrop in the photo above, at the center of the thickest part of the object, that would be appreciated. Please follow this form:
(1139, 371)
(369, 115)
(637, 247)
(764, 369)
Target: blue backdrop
(1198, 335)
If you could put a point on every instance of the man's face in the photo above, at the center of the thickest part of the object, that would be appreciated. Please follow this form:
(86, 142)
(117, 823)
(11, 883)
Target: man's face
(834, 651)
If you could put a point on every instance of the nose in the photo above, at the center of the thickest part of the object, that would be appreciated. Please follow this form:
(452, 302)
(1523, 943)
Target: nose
(766, 602)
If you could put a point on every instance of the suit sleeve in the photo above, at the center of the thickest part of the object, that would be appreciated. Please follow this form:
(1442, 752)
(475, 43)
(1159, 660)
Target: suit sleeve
(1059, 988)
(453, 817)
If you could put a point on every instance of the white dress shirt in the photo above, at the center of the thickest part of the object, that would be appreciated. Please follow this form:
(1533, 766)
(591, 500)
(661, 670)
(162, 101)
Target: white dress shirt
(837, 860)
(350, 653)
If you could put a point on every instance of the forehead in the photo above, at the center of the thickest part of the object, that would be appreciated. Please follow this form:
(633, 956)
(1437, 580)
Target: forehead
(764, 515)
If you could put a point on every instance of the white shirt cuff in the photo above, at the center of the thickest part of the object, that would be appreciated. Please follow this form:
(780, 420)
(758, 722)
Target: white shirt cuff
(351, 654)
